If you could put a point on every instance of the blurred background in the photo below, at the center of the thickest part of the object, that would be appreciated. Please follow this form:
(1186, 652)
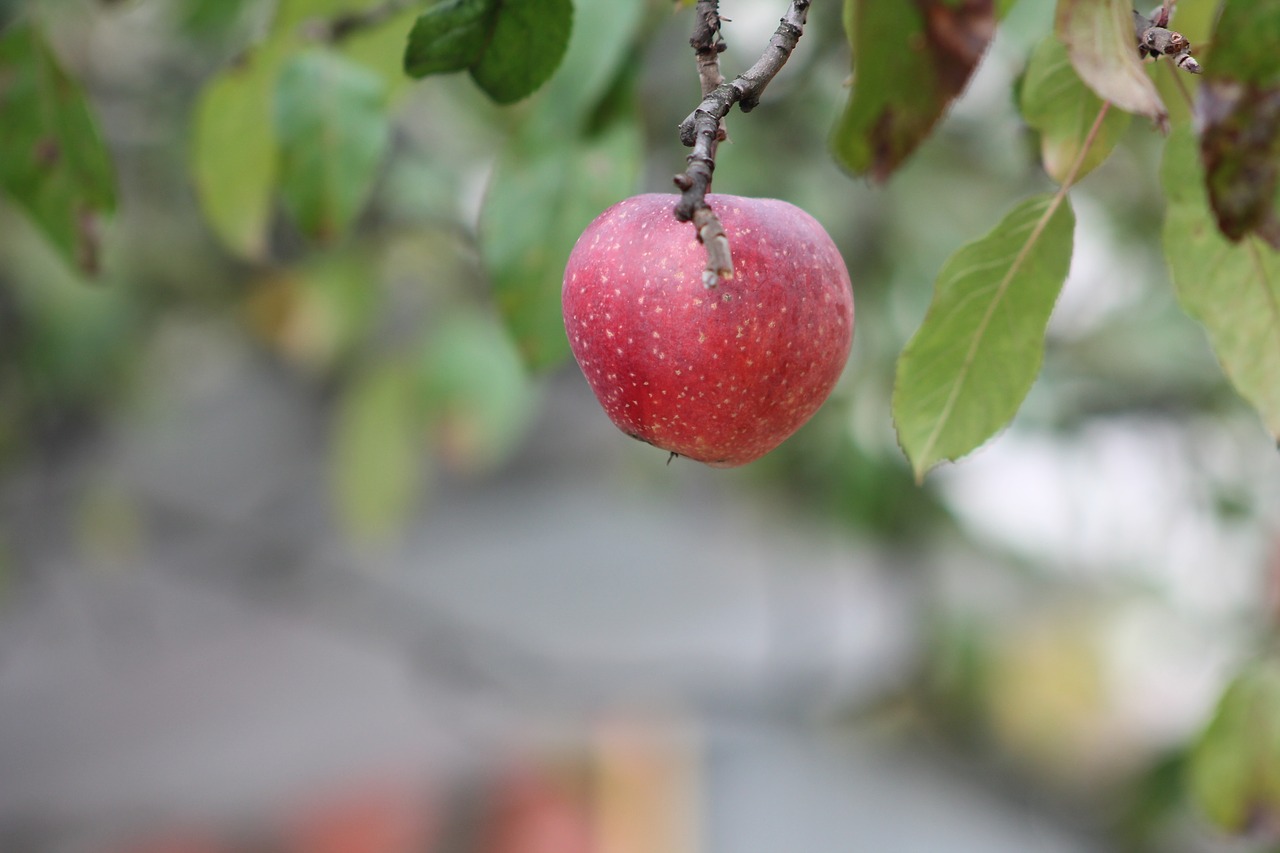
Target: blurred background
(316, 541)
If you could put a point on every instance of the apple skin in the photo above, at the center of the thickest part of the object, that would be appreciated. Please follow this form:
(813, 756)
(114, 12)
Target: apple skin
(720, 375)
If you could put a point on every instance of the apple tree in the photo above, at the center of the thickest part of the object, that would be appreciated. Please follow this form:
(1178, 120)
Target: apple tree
(373, 166)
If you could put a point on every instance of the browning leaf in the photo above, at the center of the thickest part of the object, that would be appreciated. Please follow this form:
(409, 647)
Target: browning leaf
(1239, 109)
(911, 59)
(1241, 151)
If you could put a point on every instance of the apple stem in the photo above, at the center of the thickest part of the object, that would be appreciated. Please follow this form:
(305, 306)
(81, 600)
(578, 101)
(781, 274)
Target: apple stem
(703, 129)
(711, 234)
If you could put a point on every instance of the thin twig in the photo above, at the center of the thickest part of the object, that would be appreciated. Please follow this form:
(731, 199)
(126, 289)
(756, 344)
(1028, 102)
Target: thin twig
(707, 44)
(703, 130)
(347, 24)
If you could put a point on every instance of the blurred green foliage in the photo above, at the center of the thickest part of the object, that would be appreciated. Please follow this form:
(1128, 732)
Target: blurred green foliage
(234, 153)
(1234, 769)
(52, 160)
(333, 129)
(396, 248)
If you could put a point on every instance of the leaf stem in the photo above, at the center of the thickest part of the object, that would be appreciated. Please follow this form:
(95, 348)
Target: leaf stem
(702, 129)
(1043, 222)
(1090, 138)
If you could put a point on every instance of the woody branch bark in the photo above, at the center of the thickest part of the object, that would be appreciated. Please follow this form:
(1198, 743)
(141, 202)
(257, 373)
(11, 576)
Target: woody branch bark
(703, 128)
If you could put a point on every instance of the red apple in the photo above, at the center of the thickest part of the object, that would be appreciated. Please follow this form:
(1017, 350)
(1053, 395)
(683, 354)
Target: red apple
(722, 375)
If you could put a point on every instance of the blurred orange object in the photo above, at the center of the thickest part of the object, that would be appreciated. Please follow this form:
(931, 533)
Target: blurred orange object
(380, 818)
(645, 785)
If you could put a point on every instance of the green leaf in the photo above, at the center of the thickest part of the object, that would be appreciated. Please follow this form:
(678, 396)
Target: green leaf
(1240, 108)
(526, 44)
(377, 459)
(1103, 48)
(1234, 770)
(910, 60)
(52, 160)
(1056, 103)
(449, 36)
(543, 193)
(1233, 289)
(966, 371)
(233, 152)
(333, 129)
(511, 46)
(476, 391)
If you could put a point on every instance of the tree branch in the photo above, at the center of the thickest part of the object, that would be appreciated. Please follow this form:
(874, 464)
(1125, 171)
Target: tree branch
(703, 130)
(347, 24)
(707, 44)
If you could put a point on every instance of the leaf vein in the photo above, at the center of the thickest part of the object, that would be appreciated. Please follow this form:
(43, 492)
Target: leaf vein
(979, 333)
